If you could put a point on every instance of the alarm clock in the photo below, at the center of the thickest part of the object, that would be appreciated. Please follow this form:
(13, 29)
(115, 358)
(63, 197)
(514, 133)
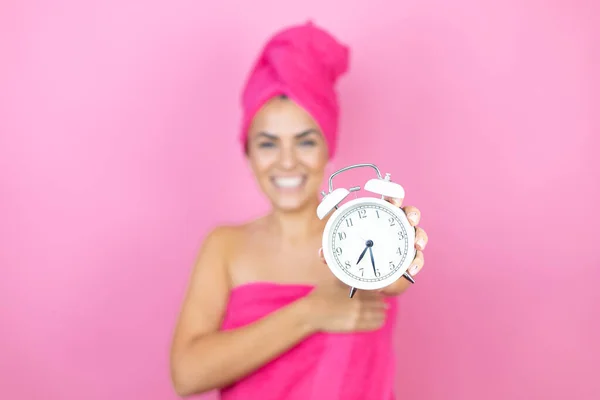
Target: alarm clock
(368, 243)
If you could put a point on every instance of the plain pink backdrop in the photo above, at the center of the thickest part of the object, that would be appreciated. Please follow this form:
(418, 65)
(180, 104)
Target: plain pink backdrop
(118, 124)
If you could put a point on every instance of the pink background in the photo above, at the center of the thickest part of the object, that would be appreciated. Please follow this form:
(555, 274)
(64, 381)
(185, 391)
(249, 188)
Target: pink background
(118, 121)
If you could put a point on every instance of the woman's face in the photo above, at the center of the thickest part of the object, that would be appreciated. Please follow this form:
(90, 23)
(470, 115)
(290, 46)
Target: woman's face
(287, 154)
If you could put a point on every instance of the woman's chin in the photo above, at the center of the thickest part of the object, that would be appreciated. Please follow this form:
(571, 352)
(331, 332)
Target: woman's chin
(291, 203)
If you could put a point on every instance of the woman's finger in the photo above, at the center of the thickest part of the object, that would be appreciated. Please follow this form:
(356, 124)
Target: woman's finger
(421, 238)
(321, 256)
(395, 201)
(417, 263)
(413, 214)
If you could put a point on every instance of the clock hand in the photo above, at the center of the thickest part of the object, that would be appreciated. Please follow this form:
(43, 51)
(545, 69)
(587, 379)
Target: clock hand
(368, 245)
(372, 260)
(362, 254)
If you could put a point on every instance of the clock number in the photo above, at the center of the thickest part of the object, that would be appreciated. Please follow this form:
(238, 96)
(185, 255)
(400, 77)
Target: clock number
(347, 264)
(377, 212)
(399, 251)
(362, 271)
(362, 214)
(338, 251)
(377, 273)
(342, 235)
(400, 235)
(392, 266)
(392, 223)
(349, 222)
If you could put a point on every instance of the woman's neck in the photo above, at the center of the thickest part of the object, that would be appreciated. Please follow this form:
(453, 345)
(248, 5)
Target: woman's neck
(299, 224)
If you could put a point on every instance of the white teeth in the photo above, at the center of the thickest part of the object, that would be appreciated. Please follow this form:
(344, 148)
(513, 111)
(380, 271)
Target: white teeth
(288, 182)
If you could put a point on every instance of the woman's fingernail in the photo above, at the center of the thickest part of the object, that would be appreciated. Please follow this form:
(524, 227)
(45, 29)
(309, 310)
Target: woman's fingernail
(421, 244)
(414, 268)
(413, 217)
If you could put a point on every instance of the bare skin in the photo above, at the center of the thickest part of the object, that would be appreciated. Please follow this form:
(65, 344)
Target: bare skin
(283, 247)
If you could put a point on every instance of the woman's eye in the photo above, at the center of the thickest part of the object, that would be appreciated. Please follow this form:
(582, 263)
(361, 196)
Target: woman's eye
(266, 144)
(308, 143)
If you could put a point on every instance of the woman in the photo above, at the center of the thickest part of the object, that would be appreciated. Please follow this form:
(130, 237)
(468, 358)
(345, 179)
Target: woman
(263, 317)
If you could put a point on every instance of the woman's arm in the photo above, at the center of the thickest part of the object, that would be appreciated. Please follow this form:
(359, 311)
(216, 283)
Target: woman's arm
(204, 358)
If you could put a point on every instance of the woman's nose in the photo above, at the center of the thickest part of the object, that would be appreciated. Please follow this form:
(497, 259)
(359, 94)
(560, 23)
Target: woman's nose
(287, 157)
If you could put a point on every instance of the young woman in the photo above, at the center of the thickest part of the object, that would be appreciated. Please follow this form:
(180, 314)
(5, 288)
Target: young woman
(263, 317)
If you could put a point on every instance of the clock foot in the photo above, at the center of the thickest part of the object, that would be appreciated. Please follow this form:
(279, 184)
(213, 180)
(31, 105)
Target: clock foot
(409, 277)
(352, 291)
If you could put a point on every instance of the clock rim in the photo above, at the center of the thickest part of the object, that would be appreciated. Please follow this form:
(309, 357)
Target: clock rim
(330, 258)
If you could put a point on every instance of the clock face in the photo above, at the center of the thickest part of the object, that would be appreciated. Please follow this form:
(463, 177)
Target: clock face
(369, 243)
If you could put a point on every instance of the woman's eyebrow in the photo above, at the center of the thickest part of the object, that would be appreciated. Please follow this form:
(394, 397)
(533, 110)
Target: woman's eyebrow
(297, 136)
(267, 135)
(306, 133)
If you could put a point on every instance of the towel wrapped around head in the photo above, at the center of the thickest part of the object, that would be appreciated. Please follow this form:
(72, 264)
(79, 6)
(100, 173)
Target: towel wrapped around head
(302, 62)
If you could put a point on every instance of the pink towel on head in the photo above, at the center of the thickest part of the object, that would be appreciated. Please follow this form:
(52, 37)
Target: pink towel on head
(348, 366)
(304, 63)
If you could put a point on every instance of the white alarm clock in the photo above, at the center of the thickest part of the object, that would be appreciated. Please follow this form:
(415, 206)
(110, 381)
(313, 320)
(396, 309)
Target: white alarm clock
(368, 242)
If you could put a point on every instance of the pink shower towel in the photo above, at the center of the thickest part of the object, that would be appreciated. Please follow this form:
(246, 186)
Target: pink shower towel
(303, 62)
(348, 366)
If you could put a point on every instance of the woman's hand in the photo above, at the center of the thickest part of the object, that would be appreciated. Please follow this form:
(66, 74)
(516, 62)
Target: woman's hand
(329, 309)
(414, 217)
